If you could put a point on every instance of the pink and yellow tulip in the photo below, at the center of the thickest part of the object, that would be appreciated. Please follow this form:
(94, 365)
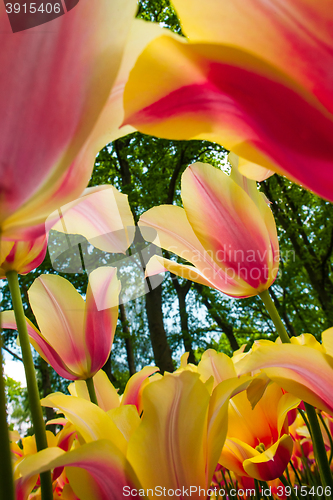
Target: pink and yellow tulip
(75, 337)
(232, 81)
(22, 256)
(46, 117)
(226, 230)
(258, 444)
(303, 368)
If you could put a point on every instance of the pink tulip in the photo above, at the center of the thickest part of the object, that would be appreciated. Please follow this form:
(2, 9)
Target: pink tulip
(75, 337)
(226, 230)
(22, 256)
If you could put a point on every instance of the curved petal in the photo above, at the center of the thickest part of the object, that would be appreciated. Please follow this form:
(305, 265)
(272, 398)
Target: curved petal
(278, 32)
(96, 471)
(101, 315)
(218, 419)
(220, 93)
(88, 419)
(37, 340)
(22, 256)
(134, 387)
(303, 371)
(107, 395)
(45, 116)
(216, 364)
(174, 233)
(102, 215)
(59, 311)
(228, 223)
(271, 463)
(168, 437)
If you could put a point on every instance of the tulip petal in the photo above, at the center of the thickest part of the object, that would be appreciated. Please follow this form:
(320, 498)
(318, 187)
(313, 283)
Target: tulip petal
(101, 315)
(134, 387)
(227, 221)
(46, 116)
(88, 419)
(217, 365)
(174, 233)
(107, 395)
(218, 418)
(96, 471)
(304, 372)
(220, 93)
(59, 311)
(288, 31)
(171, 433)
(37, 340)
(271, 463)
(102, 215)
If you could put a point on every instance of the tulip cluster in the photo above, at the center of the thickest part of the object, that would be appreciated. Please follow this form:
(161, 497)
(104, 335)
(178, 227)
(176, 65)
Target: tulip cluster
(205, 426)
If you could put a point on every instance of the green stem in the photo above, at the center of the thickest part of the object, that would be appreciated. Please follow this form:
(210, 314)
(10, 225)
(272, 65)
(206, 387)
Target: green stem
(91, 390)
(33, 394)
(317, 438)
(269, 304)
(319, 448)
(6, 473)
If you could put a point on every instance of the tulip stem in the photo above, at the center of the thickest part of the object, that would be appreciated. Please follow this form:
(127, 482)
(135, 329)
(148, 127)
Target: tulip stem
(272, 311)
(91, 390)
(319, 449)
(30, 374)
(6, 472)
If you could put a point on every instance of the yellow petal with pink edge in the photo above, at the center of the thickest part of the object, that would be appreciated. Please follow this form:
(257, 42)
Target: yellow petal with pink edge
(59, 311)
(55, 119)
(158, 265)
(218, 93)
(279, 40)
(96, 471)
(229, 224)
(100, 317)
(301, 370)
(37, 340)
(102, 215)
(88, 419)
(22, 256)
(107, 395)
(234, 453)
(180, 457)
(272, 462)
(216, 365)
(134, 387)
(174, 233)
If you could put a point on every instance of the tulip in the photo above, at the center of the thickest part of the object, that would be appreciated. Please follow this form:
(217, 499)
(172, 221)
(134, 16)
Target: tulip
(46, 117)
(226, 230)
(22, 256)
(232, 81)
(304, 367)
(75, 337)
(108, 397)
(258, 444)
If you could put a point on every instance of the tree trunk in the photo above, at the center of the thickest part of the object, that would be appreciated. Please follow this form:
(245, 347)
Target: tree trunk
(128, 340)
(158, 337)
